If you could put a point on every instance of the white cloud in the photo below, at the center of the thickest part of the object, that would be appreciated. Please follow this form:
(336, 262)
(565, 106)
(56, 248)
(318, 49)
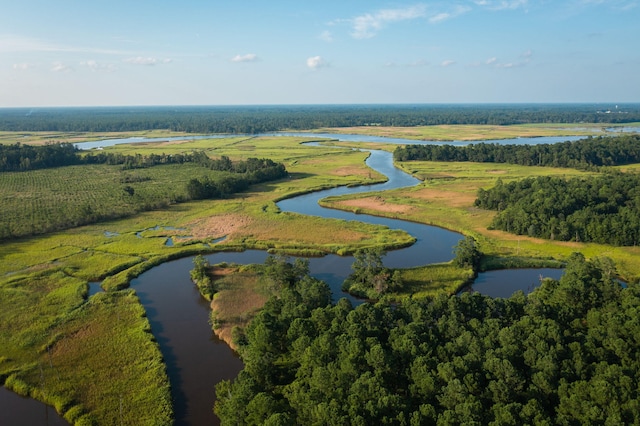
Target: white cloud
(316, 62)
(96, 66)
(367, 25)
(491, 61)
(418, 63)
(447, 63)
(443, 16)
(60, 67)
(249, 57)
(141, 60)
(23, 66)
(501, 4)
(326, 36)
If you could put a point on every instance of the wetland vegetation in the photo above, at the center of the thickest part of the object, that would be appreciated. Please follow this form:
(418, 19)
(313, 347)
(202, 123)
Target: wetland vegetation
(96, 361)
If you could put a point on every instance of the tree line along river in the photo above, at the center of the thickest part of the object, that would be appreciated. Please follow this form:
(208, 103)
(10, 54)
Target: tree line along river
(196, 360)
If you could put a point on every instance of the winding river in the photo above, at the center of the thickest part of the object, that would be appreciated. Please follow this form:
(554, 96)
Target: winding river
(196, 360)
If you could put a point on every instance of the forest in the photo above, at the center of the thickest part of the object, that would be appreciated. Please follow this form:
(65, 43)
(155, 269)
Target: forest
(602, 209)
(259, 119)
(588, 153)
(566, 354)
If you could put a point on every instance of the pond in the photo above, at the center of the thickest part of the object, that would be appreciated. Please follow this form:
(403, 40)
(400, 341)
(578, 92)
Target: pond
(505, 282)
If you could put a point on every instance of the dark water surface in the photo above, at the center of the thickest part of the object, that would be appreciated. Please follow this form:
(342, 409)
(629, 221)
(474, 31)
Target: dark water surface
(505, 282)
(16, 410)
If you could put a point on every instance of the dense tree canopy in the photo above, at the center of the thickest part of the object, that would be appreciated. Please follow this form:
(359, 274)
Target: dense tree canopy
(258, 119)
(585, 153)
(567, 354)
(603, 209)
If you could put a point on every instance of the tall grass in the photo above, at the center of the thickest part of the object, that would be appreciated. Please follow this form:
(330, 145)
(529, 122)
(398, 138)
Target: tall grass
(95, 361)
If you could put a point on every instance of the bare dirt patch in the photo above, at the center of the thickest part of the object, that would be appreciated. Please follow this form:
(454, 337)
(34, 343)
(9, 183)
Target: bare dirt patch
(376, 203)
(218, 226)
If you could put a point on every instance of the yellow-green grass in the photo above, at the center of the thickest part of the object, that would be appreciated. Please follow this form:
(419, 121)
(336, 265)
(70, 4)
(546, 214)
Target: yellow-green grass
(470, 132)
(240, 294)
(41, 138)
(94, 361)
(446, 196)
(430, 280)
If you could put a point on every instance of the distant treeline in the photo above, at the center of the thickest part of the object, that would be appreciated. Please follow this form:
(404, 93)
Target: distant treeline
(18, 157)
(244, 174)
(584, 153)
(258, 119)
(603, 209)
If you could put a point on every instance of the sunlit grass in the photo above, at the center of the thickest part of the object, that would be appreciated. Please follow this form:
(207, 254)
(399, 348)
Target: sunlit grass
(94, 361)
(473, 131)
(446, 196)
(240, 294)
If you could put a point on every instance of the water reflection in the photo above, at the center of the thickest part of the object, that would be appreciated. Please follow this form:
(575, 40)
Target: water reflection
(504, 283)
(16, 410)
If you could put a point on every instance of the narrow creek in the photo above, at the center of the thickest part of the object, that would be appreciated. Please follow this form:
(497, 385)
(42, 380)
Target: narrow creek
(196, 360)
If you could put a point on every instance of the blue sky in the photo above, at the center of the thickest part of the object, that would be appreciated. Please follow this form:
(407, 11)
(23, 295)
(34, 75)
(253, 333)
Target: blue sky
(160, 52)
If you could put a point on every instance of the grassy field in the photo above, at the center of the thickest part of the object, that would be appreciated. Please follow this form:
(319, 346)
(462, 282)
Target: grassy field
(61, 347)
(41, 138)
(446, 196)
(467, 132)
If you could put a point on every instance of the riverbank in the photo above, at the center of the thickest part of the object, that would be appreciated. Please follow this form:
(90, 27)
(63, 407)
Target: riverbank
(445, 198)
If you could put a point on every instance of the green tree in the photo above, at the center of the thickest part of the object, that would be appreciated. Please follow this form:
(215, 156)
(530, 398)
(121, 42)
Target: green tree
(467, 254)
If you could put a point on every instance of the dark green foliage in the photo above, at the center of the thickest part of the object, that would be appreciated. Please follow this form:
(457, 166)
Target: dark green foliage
(281, 273)
(567, 354)
(582, 154)
(257, 119)
(370, 278)
(17, 157)
(603, 209)
(467, 254)
(200, 276)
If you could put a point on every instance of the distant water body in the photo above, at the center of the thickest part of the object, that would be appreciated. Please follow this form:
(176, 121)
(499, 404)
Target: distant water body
(333, 136)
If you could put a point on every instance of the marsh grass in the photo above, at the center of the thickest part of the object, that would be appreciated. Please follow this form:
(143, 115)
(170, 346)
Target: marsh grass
(240, 294)
(473, 131)
(59, 348)
(431, 280)
(446, 196)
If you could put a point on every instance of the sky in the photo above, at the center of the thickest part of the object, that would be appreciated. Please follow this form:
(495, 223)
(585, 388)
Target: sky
(250, 52)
